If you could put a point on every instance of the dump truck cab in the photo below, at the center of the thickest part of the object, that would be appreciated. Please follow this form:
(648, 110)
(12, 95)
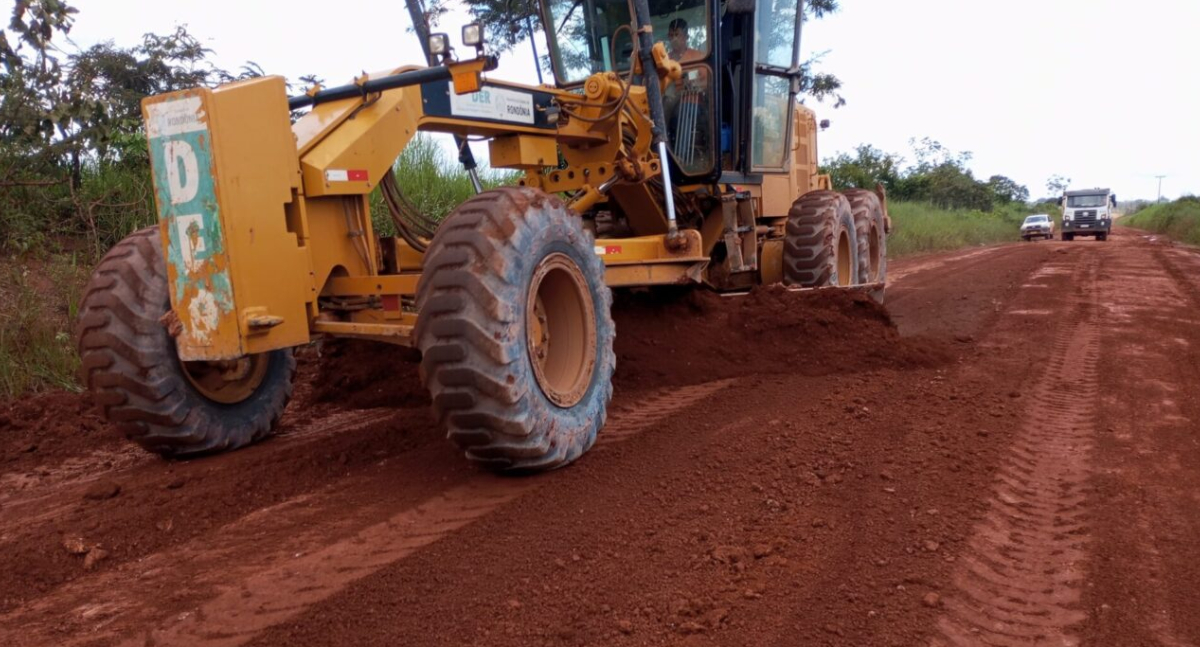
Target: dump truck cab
(1087, 212)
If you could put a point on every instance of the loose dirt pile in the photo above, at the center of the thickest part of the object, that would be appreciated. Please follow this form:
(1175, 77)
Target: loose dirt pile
(354, 374)
(673, 338)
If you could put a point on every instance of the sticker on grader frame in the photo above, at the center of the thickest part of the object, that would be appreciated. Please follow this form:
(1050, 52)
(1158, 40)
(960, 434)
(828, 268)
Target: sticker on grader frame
(491, 102)
(345, 175)
(182, 162)
(601, 250)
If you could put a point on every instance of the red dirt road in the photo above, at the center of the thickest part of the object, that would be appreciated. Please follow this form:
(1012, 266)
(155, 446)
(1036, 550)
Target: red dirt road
(1016, 461)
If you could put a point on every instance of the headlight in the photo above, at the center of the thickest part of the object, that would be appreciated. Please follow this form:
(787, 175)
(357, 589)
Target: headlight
(439, 44)
(472, 34)
(1067, 217)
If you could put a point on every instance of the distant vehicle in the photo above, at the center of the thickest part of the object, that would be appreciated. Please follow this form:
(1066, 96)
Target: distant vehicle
(1039, 225)
(1087, 212)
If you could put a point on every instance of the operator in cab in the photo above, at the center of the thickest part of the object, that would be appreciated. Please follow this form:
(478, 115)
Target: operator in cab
(677, 43)
(685, 101)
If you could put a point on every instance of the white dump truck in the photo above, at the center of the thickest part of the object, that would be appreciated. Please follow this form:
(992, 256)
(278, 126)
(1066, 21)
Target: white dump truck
(1087, 212)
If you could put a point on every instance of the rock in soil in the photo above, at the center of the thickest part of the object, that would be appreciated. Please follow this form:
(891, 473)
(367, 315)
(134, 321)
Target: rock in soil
(94, 557)
(102, 490)
(75, 545)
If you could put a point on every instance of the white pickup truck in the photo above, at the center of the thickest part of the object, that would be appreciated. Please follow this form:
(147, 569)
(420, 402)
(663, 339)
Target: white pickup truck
(1039, 225)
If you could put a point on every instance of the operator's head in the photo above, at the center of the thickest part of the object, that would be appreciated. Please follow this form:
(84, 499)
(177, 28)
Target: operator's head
(677, 35)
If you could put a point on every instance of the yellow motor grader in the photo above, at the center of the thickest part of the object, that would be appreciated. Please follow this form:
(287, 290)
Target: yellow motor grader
(682, 161)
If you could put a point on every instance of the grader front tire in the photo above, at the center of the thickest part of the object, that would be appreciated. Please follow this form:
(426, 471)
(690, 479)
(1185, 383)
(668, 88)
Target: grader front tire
(130, 364)
(515, 331)
(820, 243)
(870, 230)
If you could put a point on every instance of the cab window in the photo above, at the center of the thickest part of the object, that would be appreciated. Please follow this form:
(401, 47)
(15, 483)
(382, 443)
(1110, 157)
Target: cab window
(590, 36)
(1087, 201)
(775, 36)
(775, 55)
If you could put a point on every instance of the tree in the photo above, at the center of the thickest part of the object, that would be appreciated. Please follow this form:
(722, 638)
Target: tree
(60, 108)
(29, 72)
(940, 176)
(864, 169)
(101, 92)
(1007, 190)
(1057, 184)
(67, 114)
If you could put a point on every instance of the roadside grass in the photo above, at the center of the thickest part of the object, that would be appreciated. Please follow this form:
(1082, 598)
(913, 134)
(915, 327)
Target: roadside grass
(433, 181)
(111, 201)
(1179, 219)
(37, 352)
(114, 201)
(919, 228)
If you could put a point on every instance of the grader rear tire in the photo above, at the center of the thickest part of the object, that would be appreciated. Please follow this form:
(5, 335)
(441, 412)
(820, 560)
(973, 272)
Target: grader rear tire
(872, 238)
(820, 247)
(515, 331)
(130, 364)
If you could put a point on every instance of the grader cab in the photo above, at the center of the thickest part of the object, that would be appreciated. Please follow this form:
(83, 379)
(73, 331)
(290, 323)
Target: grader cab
(685, 160)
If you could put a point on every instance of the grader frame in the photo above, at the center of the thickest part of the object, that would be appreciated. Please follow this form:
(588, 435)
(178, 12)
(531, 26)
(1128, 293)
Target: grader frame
(267, 241)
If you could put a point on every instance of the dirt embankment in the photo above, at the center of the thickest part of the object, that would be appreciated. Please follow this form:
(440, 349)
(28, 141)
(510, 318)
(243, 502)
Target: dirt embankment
(664, 338)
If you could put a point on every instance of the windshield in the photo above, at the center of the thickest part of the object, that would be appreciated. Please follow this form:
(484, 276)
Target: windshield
(1086, 201)
(587, 36)
(1035, 219)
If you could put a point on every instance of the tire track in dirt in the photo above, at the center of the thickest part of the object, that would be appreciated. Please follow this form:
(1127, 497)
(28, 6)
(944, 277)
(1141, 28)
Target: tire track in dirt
(917, 266)
(229, 601)
(630, 422)
(1148, 419)
(1019, 581)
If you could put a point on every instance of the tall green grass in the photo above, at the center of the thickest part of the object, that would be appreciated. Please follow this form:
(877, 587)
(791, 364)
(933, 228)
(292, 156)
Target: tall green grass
(36, 349)
(1179, 219)
(919, 227)
(433, 180)
(112, 200)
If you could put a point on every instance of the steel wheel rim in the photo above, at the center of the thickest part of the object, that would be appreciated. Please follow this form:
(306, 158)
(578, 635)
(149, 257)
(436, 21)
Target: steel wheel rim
(561, 330)
(873, 242)
(843, 259)
(228, 381)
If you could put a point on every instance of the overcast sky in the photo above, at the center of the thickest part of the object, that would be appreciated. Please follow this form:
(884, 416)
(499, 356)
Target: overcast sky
(1100, 91)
